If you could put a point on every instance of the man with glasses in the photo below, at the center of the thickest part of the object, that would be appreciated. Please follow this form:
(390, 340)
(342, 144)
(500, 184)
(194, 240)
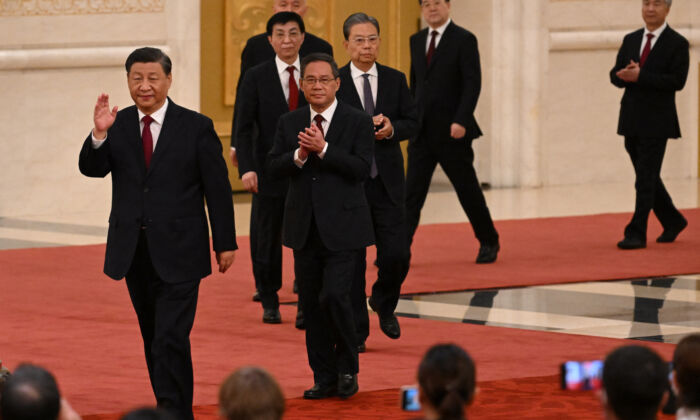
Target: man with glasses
(652, 65)
(325, 150)
(268, 90)
(383, 93)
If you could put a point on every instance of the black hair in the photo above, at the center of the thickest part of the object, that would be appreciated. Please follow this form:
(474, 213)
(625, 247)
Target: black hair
(686, 363)
(447, 379)
(149, 55)
(147, 413)
(285, 17)
(356, 19)
(314, 57)
(31, 393)
(420, 2)
(635, 379)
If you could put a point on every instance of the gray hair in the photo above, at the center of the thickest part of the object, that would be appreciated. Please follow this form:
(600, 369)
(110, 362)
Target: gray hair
(356, 19)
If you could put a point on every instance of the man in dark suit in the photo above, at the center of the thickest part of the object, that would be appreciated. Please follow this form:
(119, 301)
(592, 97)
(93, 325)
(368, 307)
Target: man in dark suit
(445, 83)
(651, 66)
(268, 91)
(325, 150)
(165, 160)
(383, 93)
(258, 49)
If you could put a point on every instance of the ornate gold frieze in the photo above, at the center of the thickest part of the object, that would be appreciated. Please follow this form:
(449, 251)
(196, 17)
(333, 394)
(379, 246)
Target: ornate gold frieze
(77, 7)
(245, 18)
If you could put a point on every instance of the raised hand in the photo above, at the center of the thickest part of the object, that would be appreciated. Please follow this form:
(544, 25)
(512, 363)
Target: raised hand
(103, 117)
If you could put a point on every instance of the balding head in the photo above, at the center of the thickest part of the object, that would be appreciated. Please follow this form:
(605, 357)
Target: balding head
(296, 6)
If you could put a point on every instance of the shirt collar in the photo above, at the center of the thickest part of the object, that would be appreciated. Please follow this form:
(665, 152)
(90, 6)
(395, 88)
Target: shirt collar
(282, 66)
(356, 73)
(657, 32)
(327, 114)
(159, 115)
(441, 29)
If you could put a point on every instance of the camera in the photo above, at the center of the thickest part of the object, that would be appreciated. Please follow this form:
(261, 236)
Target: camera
(409, 398)
(582, 376)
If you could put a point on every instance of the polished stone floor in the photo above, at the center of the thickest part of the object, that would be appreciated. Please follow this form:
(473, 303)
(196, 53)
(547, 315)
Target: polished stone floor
(660, 309)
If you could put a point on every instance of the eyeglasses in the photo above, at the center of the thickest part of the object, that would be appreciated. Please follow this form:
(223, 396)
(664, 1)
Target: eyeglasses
(323, 80)
(283, 35)
(361, 40)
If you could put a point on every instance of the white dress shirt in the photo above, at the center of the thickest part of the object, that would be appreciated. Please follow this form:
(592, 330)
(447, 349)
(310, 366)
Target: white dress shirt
(326, 124)
(687, 414)
(359, 80)
(284, 74)
(156, 125)
(656, 33)
(438, 37)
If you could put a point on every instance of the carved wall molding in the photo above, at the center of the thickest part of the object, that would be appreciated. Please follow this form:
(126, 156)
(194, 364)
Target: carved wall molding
(245, 18)
(77, 7)
(604, 39)
(61, 58)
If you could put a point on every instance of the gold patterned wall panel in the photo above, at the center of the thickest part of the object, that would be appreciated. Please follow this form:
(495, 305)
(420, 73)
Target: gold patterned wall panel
(77, 7)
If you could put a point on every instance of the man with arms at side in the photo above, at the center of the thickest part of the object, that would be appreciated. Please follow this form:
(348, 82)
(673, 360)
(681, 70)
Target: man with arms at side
(325, 150)
(651, 66)
(258, 50)
(383, 93)
(445, 83)
(268, 91)
(164, 161)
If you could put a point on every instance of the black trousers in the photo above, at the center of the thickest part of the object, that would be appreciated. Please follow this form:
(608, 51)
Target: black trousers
(647, 156)
(325, 278)
(266, 217)
(389, 220)
(456, 157)
(166, 314)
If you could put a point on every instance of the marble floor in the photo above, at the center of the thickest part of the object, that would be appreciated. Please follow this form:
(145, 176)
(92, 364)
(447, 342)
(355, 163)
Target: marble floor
(659, 309)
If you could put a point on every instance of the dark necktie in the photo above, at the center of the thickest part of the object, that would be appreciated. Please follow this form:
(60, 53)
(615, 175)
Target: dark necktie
(293, 90)
(431, 48)
(647, 50)
(369, 107)
(318, 119)
(147, 139)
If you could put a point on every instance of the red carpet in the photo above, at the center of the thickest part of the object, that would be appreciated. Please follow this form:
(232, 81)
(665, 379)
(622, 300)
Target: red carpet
(58, 310)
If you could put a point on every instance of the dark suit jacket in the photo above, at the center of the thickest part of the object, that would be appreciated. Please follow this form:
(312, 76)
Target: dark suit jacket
(258, 50)
(261, 102)
(187, 166)
(394, 101)
(648, 107)
(448, 90)
(330, 189)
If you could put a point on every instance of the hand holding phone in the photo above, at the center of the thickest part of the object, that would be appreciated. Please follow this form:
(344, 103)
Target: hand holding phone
(409, 398)
(582, 376)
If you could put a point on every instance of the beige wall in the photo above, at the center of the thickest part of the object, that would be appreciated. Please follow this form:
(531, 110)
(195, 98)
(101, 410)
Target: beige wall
(55, 58)
(547, 108)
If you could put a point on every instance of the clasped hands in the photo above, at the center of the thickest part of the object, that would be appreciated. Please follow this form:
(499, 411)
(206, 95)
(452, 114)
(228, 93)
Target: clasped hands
(310, 141)
(630, 73)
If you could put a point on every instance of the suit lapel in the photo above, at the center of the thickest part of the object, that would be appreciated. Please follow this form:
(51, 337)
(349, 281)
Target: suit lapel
(277, 88)
(636, 45)
(171, 124)
(420, 53)
(337, 124)
(354, 96)
(133, 134)
(381, 74)
(441, 46)
(660, 44)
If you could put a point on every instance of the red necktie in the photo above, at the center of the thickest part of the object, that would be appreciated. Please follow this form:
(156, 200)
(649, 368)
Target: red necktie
(318, 119)
(293, 90)
(431, 48)
(147, 139)
(647, 50)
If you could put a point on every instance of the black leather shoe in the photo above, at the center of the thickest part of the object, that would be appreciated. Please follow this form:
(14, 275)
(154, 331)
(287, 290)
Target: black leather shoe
(389, 324)
(256, 296)
(487, 253)
(272, 316)
(347, 385)
(631, 243)
(319, 392)
(670, 235)
(361, 348)
(299, 322)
